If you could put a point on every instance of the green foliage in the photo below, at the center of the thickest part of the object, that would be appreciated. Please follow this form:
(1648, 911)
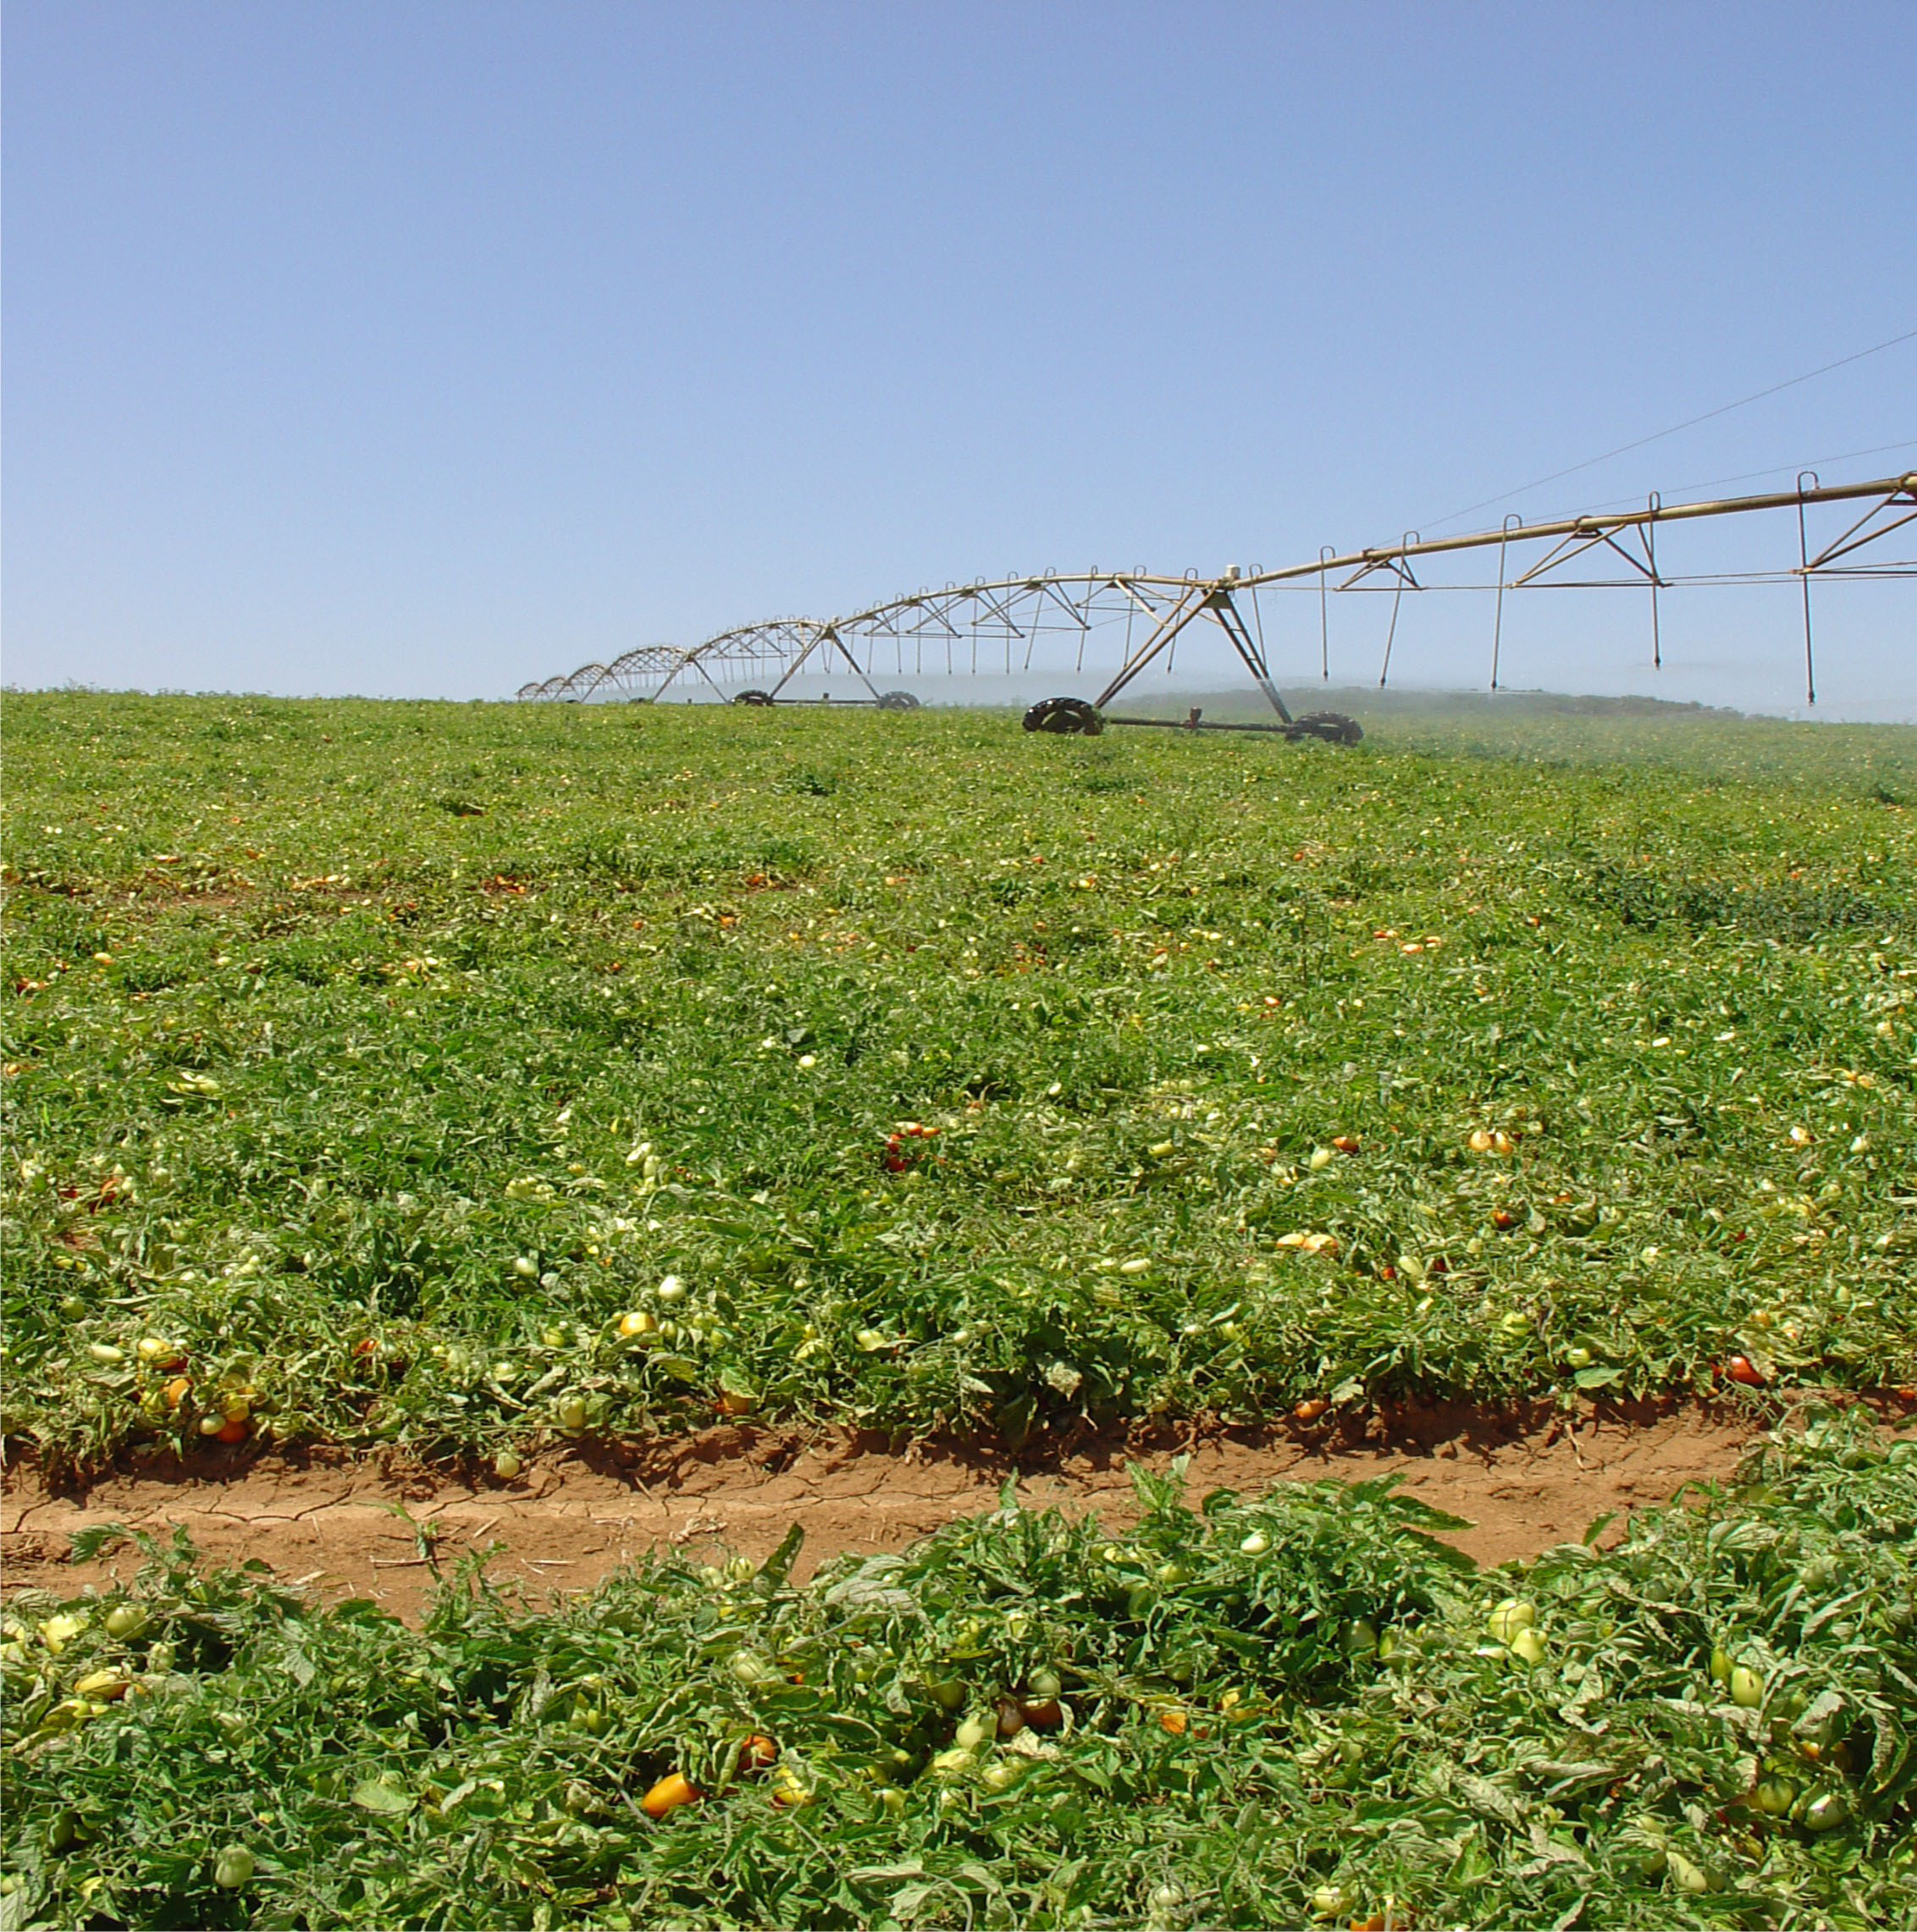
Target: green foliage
(1257, 1704)
(429, 1040)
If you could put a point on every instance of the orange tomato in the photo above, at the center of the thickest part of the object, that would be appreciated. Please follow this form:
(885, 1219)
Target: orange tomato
(671, 1791)
(1742, 1368)
(1173, 1721)
(758, 1752)
(1309, 1411)
(236, 1430)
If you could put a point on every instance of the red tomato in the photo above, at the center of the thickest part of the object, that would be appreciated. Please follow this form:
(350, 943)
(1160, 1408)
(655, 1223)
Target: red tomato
(1742, 1368)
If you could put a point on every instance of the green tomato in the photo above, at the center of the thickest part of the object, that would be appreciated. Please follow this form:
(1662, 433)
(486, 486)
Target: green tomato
(1508, 1618)
(1042, 1686)
(1328, 1901)
(62, 1832)
(1000, 1775)
(126, 1621)
(893, 1801)
(1359, 1637)
(749, 1668)
(1172, 1573)
(973, 1732)
(1775, 1796)
(233, 1867)
(1722, 1664)
(1528, 1645)
(1256, 1544)
(948, 1693)
(1691, 1877)
(1747, 1688)
(1827, 1810)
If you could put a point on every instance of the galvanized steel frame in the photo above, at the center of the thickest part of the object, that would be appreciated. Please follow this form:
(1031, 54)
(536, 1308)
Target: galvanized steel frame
(1011, 614)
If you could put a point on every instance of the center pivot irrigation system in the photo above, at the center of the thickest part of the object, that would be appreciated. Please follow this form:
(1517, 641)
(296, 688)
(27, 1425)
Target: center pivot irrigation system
(996, 628)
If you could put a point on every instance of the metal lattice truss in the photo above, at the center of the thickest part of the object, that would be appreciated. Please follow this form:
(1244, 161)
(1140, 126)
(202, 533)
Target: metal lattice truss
(1003, 627)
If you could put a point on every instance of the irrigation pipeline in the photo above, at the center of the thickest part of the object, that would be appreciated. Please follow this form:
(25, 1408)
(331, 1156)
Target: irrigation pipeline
(1002, 621)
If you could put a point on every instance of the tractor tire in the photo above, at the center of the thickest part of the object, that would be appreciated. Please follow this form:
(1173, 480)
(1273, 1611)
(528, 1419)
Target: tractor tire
(1064, 717)
(754, 698)
(898, 701)
(1333, 727)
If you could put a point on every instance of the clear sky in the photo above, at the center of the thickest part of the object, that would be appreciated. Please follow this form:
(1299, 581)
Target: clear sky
(421, 349)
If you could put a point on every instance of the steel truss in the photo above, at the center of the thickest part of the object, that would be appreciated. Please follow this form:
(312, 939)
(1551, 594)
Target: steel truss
(995, 626)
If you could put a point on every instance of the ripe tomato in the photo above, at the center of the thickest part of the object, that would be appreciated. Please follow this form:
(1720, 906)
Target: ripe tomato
(758, 1752)
(1741, 1368)
(233, 1430)
(1173, 1721)
(1310, 1410)
(671, 1791)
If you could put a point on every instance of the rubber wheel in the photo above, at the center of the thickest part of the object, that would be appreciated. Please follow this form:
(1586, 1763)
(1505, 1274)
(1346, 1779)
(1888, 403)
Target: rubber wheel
(754, 698)
(1333, 727)
(898, 701)
(1064, 717)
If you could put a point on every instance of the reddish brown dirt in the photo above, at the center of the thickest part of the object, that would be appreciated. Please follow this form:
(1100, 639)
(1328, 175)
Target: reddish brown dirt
(1524, 1479)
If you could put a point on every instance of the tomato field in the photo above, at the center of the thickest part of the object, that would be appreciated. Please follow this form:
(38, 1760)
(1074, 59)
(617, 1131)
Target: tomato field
(475, 1084)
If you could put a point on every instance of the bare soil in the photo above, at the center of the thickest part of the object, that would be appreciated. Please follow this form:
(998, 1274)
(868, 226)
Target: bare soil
(1524, 1478)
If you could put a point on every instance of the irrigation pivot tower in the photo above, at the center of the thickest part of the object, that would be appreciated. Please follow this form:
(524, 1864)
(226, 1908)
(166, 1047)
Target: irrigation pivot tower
(997, 625)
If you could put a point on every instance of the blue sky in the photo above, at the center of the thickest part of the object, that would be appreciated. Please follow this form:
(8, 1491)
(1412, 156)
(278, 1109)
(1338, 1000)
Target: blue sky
(420, 349)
